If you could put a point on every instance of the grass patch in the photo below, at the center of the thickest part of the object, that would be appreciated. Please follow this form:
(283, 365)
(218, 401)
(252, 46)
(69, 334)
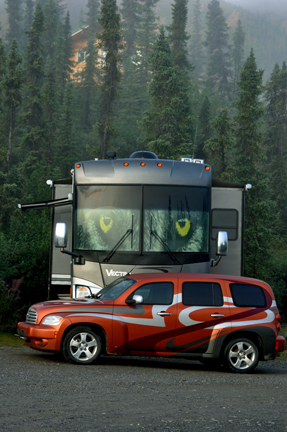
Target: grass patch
(8, 339)
(283, 332)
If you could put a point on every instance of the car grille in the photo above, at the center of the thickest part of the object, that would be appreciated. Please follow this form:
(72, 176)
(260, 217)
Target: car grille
(31, 316)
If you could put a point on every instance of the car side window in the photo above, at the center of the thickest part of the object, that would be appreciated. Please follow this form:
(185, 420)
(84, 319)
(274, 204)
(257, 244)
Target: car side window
(160, 293)
(201, 294)
(246, 295)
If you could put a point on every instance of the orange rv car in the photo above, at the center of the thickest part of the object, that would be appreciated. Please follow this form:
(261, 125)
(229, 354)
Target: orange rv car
(212, 318)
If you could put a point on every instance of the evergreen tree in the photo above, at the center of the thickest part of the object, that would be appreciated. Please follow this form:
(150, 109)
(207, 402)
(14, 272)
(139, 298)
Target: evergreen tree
(14, 13)
(203, 129)
(50, 28)
(3, 154)
(33, 71)
(110, 42)
(130, 11)
(219, 146)
(12, 88)
(28, 15)
(249, 161)
(146, 38)
(196, 44)
(177, 34)
(66, 133)
(238, 51)
(218, 70)
(276, 140)
(167, 125)
(90, 74)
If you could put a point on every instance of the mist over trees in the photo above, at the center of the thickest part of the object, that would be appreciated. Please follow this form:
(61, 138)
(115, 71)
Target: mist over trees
(145, 85)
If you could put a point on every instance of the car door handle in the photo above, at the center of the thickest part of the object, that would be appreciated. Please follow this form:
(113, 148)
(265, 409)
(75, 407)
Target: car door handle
(217, 315)
(163, 313)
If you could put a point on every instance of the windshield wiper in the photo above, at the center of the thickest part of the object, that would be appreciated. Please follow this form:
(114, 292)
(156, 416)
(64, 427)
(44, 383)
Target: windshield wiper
(119, 243)
(162, 242)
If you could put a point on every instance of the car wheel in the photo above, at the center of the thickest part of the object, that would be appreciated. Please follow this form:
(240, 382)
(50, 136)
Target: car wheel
(241, 355)
(81, 345)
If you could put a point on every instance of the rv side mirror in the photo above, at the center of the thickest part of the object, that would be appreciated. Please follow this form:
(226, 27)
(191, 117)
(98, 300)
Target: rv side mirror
(61, 235)
(221, 243)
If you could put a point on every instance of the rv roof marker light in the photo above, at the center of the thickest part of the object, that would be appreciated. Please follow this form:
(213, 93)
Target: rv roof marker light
(207, 168)
(78, 166)
(159, 164)
(142, 163)
(126, 164)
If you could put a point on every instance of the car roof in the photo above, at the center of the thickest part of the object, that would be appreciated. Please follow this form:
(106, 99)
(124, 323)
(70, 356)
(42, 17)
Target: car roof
(194, 276)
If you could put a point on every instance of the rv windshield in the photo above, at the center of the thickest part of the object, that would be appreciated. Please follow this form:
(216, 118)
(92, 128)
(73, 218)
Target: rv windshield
(166, 218)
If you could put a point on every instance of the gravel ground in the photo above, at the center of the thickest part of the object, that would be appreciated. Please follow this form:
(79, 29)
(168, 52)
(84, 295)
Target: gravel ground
(41, 393)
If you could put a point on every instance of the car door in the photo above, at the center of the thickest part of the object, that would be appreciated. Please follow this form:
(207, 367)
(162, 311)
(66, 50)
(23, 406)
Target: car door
(150, 323)
(203, 315)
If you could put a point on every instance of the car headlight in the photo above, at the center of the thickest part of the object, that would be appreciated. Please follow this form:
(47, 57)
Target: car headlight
(52, 320)
(82, 291)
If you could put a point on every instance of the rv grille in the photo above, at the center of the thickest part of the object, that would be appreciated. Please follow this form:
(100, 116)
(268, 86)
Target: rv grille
(31, 316)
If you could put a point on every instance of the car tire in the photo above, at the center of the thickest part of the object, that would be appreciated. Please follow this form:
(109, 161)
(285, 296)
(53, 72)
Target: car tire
(81, 345)
(241, 355)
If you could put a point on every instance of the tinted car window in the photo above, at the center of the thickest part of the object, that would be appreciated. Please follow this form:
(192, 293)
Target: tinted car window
(245, 295)
(115, 288)
(201, 294)
(160, 293)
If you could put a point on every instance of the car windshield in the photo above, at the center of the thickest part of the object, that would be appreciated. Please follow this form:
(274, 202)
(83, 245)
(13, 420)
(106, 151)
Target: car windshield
(115, 289)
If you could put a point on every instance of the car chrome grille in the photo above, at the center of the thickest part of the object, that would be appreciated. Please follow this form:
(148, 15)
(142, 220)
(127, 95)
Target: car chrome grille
(31, 317)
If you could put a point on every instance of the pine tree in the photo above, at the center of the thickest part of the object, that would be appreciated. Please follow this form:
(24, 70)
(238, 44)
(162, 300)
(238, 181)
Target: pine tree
(218, 70)
(12, 88)
(203, 132)
(130, 12)
(33, 75)
(146, 38)
(276, 140)
(50, 28)
(259, 211)
(14, 13)
(90, 74)
(237, 52)
(110, 42)
(177, 34)
(28, 15)
(167, 125)
(3, 139)
(196, 44)
(219, 146)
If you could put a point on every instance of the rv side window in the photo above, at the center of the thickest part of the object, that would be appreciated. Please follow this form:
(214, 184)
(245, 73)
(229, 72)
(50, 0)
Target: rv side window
(245, 295)
(201, 294)
(225, 220)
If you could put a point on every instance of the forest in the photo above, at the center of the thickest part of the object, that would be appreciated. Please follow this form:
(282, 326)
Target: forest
(146, 84)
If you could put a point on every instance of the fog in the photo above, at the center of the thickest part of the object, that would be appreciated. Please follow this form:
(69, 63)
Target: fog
(273, 6)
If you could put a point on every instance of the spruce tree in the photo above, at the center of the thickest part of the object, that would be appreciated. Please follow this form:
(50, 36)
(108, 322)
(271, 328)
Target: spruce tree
(110, 42)
(218, 68)
(259, 211)
(12, 88)
(3, 155)
(237, 51)
(50, 28)
(167, 126)
(196, 44)
(276, 140)
(219, 146)
(50, 104)
(203, 129)
(177, 34)
(28, 15)
(14, 12)
(130, 12)
(33, 78)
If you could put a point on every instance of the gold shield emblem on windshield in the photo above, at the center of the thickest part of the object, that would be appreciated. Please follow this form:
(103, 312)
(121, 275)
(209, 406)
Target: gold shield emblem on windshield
(106, 223)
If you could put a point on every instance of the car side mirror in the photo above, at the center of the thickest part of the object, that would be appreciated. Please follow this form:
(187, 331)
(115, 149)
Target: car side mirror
(60, 239)
(137, 299)
(222, 243)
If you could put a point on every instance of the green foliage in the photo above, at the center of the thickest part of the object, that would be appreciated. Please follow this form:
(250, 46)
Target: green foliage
(167, 126)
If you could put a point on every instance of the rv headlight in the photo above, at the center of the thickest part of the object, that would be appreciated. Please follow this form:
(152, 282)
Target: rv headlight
(52, 320)
(83, 291)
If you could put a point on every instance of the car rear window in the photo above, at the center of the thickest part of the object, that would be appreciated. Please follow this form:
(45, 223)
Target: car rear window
(201, 294)
(247, 295)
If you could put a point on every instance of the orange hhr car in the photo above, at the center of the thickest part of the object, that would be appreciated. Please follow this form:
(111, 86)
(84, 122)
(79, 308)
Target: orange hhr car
(211, 318)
